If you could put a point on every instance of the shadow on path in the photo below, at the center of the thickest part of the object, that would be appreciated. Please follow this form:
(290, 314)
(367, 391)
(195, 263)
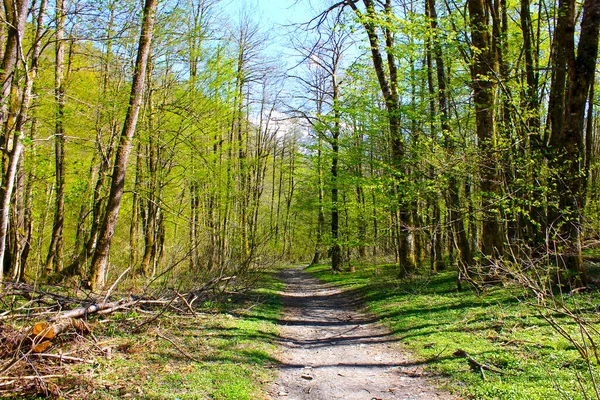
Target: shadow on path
(331, 351)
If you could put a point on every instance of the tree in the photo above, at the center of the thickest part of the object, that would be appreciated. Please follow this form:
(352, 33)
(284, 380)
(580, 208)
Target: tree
(107, 229)
(453, 202)
(54, 261)
(16, 13)
(484, 74)
(378, 28)
(324, 63)
(571, 82)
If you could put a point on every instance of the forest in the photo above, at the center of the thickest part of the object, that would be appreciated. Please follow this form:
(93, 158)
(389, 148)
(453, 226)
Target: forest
(171, 155)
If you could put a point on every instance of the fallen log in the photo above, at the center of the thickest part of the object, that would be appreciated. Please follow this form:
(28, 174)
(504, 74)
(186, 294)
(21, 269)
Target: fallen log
(43, 333)
(86, 310)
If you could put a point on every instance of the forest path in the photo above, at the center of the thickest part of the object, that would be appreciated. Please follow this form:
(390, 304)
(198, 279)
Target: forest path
(330, 351)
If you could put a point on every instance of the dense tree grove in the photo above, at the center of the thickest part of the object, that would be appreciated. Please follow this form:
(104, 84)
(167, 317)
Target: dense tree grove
(431, 134)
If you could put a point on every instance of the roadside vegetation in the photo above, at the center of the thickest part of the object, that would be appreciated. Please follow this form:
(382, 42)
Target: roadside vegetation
(221, 351)
(502, 328)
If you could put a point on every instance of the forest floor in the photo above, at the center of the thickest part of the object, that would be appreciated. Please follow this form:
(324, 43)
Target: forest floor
(497, 344)
(222, 351)
(332, 351)
(314, 334)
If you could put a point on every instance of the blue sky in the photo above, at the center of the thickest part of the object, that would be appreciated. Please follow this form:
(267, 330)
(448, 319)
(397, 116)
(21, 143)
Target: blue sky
(275, 18)
(274, 12)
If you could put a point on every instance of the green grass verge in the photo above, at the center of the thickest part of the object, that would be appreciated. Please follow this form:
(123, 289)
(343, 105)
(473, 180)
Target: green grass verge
(225, 353)
(499, 327)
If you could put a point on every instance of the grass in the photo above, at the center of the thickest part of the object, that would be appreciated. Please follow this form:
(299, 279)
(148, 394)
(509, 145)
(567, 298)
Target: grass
(225, 352)
(499, 327)
(232, 347)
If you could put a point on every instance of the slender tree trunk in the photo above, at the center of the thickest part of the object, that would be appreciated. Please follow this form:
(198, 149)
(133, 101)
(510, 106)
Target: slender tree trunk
(54, 260)
(18, 233)
(16, 17)
(374, 216)
(336, 253)
(531, 104)
(16, 14)
(135, 209)
(321, 215)
(100, 164)
(289, 196)
(100, 257)
(360, 199)
(387, 77)
(453, 203)
(152, 156)
(27, 236)
(23, 213)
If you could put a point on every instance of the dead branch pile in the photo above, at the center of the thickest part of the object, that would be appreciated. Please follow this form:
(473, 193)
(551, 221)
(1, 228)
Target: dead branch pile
(36, 324)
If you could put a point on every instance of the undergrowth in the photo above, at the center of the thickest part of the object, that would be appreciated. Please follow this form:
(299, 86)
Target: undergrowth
(500, 327)
(221, 352)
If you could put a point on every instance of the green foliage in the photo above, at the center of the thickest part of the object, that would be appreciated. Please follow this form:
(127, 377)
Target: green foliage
(500, 327)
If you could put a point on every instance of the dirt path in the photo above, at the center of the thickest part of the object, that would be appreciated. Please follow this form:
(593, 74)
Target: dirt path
(331, 351)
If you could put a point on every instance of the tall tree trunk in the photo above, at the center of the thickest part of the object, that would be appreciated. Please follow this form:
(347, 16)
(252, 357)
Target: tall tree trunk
(101, 161)
(100, 257)
(321, 213)
(150, 211)
(531, 105)
(360, 197)
(23, 213)
(567, 140)
(54, 260)
(387, 77)
(16, 14)
(135, 209)
(336, 252)
(483, 72)
(18, 233)
(453, 203)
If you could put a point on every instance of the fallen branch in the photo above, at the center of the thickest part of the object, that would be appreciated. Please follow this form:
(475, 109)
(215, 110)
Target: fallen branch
(186, 355)
(4, 378)
(154, 317)
(61, 358)
(476, 365)
(43, 333)
(115, 284)
(188, 305)
(119, 307)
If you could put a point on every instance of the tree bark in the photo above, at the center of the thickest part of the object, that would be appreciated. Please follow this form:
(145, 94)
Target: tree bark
(54, 260)
(16, 17)
(465, 257)
(101, 254)
(16, 14)
(568, 141)
(321, 212)
(483, 72)
(387, 77)
(336, 252)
